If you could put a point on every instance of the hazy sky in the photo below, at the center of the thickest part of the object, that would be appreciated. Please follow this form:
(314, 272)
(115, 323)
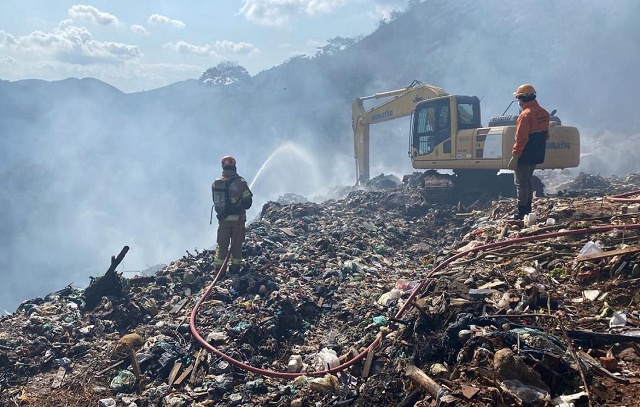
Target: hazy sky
(148, 44)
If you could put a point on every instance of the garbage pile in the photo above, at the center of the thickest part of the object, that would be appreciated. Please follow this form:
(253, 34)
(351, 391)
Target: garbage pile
(379, 297)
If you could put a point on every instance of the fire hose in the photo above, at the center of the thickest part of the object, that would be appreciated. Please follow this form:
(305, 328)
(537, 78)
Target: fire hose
(409, 301)
(624, 197)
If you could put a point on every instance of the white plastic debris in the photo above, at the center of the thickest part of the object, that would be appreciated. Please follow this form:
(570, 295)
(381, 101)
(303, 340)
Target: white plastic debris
(388, 296)
(566, 400)
(327, 359)
(531, 272)
(107, 403)
(591, 295)
(618, 319)
(530, 219)
(591, 248)
(295, 364)
(529, 395)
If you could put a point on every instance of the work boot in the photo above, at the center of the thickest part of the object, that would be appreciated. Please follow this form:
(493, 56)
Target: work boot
(522, 210)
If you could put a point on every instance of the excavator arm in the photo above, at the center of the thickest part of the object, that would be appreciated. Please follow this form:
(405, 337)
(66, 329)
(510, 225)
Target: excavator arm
(401, 104)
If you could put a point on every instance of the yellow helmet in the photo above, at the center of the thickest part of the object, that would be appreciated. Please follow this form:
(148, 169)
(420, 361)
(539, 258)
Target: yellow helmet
(525, 90)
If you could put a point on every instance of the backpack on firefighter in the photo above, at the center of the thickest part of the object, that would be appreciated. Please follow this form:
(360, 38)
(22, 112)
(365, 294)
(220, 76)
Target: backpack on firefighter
(222, 199)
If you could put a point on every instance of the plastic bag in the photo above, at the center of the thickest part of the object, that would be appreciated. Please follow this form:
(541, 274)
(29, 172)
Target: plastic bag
(618, 319)
(591, 248)
(388, 296)
(529, 395)
(327, 359)
(530, 219)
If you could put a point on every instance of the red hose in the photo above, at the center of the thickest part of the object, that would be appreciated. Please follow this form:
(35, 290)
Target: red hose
(597, 229)
(376, 342)
(624, 197)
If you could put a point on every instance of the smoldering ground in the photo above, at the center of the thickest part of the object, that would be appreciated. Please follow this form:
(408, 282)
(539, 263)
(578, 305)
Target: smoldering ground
(86, 170)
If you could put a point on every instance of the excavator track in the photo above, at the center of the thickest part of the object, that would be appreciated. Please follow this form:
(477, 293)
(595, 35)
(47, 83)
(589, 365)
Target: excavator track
(466, 187)
(438, 188)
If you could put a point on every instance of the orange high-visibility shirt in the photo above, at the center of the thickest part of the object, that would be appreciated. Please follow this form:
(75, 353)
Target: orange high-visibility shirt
(532, 120)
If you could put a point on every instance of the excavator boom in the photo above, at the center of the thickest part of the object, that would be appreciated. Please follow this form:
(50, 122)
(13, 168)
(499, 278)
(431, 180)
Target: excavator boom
(402, 104)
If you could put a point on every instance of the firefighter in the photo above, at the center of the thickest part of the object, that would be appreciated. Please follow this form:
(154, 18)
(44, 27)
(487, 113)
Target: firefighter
(532, 133)
(231, 198)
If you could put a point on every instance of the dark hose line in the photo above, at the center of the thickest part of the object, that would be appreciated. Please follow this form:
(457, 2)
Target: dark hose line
(376, 342)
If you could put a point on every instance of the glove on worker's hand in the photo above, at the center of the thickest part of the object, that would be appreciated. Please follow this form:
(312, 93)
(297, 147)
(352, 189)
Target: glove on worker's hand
(513, 163)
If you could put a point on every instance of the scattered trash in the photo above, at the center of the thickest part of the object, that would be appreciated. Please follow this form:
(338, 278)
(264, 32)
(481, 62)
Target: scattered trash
(389, 296)
(124, 382)
(327, 359)
(591, 248)
(295, 364)
(619, 319)
(525, 394)
(323, 281)
(591, 295)
(530, 219)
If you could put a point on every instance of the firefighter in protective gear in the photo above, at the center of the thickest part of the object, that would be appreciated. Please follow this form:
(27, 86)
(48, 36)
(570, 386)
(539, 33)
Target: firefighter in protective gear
(231, 198)
(532, 133)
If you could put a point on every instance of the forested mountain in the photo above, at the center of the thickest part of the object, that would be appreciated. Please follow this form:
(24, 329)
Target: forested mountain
(86, 168)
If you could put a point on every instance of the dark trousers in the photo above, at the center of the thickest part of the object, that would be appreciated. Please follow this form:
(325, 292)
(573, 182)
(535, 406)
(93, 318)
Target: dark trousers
(227, 231)
(522, 179)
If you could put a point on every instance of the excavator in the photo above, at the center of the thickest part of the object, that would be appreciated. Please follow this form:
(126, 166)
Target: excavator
(447, 134)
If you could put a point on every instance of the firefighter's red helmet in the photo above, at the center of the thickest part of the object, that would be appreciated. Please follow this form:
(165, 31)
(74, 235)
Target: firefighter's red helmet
(228, 161)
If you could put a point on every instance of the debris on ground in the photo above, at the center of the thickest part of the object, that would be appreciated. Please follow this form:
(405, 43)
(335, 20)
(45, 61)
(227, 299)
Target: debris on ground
(378, 297)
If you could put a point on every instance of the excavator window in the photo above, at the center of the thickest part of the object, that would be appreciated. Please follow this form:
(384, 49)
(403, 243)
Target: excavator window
(468, 112)
(433, 127)
(443, 118)
(465, 114)
(425, 134)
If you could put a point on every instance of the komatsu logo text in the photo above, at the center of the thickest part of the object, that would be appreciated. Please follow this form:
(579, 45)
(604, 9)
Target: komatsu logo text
(559, 145)
(382, 115)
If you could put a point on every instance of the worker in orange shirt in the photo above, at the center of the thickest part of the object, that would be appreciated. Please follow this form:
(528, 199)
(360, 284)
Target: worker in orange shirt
(532, 133)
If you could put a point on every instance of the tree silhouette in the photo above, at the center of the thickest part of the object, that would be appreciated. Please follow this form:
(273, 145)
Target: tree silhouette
(225, 73)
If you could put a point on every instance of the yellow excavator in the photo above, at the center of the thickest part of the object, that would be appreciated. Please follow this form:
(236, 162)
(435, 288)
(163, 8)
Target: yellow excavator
(446, 133)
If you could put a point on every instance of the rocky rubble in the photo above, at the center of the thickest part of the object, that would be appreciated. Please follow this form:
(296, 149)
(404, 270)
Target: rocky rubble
(380, 297)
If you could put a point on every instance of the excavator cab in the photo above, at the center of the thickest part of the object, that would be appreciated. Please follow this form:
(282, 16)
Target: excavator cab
(436, 123)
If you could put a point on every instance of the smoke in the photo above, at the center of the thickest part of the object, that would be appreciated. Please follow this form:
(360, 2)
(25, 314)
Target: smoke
(577, 54)
(609, 153)
(86, 169)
